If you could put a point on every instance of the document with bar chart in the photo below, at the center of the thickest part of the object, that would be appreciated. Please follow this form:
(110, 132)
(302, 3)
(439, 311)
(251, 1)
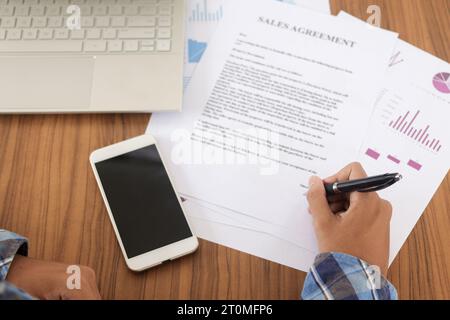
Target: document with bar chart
(409, 133)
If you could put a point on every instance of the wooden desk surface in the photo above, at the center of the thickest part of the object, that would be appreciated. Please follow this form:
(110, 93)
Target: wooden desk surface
(48, 193)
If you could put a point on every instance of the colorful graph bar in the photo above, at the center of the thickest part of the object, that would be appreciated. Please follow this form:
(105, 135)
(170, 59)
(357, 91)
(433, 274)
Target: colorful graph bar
(414, 165)
(393, 159)
(412, 121)
(376, 155)
(373, 154)
(201, 13)
(418, 134)
(403, 125)
(437, 144)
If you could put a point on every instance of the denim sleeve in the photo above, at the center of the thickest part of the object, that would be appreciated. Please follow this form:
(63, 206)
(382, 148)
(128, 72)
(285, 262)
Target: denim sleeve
(337, 276)
(10, 292)
(10, 245)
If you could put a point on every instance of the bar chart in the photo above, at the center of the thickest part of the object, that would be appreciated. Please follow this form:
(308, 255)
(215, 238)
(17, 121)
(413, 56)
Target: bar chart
(202, 13)
(376, 155)
(405, 124)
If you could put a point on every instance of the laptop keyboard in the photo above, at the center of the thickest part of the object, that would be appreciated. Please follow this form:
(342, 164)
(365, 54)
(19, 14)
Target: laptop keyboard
(107, 26)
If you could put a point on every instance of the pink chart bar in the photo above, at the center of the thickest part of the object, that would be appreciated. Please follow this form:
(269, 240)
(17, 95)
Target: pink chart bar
(414, 165)
(418, 134)
(432, 143)
(412, 121)
(436, 144)
(393, 159)
(396, 122)
(373, 154)
(402, 122)
(423, 134)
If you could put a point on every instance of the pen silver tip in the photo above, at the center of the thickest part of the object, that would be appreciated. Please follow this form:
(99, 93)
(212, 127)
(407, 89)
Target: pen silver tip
(398, 177)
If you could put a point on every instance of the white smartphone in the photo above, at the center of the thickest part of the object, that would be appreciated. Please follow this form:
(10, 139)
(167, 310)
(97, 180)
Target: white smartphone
(146, 213)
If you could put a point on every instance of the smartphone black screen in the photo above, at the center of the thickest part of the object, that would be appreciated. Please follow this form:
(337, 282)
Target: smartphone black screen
(142, 200)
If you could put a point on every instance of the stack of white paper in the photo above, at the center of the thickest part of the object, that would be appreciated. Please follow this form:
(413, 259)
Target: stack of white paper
(282, 93)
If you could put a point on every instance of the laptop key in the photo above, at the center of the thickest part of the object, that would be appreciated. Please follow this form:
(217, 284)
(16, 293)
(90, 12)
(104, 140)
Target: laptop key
(164, 33)
(61, 33)
(41, 46)
(115, 10)
(46, 34)
(14, 34)
(109, 33)
(6, 11)
(141, 21)
(22, 11)
(131, 45)
(30, 34)
(77, 34)
(94, 46)
(165, 21)
(149, 10)
(118, 21)
(148, 45)
(24, 22)
(37, 11)
(93, 33)
(8, 22)
(115, 45)
(163, 45)
(136, 33)
(39, 22)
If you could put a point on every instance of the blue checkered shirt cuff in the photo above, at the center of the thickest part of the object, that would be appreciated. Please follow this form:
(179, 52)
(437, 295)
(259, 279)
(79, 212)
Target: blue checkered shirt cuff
(338, 276)
(10, 245)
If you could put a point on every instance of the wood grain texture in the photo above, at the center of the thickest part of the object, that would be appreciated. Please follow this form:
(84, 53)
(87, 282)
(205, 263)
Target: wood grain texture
(48, 193)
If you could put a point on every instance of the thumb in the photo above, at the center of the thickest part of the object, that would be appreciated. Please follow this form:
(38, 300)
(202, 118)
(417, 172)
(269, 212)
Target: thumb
(317, 200)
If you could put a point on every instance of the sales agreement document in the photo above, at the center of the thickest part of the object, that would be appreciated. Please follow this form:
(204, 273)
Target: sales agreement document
(282, 93)
(199, 29)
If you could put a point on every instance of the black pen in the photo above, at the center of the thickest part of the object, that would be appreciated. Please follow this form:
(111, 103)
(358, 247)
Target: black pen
(369, 184)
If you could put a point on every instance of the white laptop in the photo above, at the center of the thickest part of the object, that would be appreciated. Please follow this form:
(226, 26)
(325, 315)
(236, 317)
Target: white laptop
(91, 55)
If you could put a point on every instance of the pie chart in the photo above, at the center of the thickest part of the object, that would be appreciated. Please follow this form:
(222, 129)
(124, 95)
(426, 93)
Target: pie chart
(441, 82)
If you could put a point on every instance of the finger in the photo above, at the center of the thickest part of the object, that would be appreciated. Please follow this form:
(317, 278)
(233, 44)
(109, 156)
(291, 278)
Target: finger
(317, 200)
(337, 198)
(338, 207)
(352, 171)
(362, 204)
(386, 209)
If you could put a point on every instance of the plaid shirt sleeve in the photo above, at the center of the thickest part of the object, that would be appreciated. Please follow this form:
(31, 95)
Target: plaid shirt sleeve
(10, 245)
(337, 276)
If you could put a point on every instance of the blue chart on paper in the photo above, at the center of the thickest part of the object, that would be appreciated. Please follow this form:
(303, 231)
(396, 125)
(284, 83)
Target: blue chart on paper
(196, 50)
(202, 13)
